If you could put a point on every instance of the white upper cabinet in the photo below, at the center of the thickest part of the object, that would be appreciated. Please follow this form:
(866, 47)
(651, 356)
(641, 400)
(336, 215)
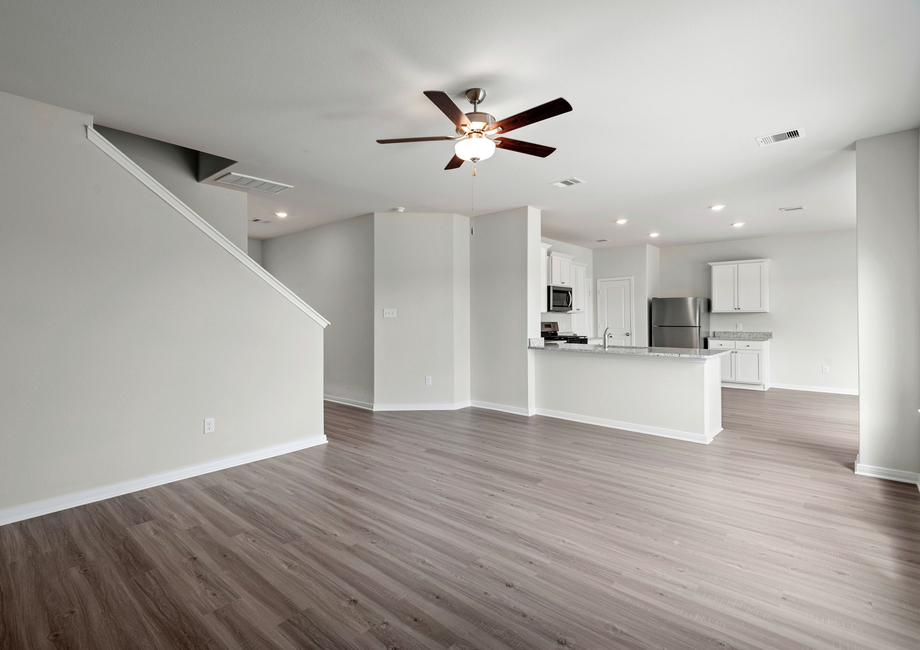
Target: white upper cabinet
(580, 299)
(724, 280)
(741, 286)
(579, 276)
(560, 273)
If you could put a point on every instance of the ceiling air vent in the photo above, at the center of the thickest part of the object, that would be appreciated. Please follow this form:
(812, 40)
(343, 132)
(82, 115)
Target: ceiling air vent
(259, 221)
(253, 183)
(792, 209)
(568, 182)
(779, 137)
(600, 240)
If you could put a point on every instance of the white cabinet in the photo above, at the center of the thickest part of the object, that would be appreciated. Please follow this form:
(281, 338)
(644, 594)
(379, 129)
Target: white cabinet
(579, 274)
(580, 298)
(746, 366)
(560, 269)
(544, 277)
(724, 281)
(740, 286)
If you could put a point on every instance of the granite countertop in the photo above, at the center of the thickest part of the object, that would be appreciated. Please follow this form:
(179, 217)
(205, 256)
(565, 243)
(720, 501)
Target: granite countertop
(679, 353)
(729, 335)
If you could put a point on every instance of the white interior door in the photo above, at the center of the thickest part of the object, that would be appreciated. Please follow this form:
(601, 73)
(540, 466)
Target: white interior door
(614, 310)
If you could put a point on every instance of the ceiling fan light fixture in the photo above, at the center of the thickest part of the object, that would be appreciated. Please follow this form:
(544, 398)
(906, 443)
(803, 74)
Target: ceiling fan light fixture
(474, 147)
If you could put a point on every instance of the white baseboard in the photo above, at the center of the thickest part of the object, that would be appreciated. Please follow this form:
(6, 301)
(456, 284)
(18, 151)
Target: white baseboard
(444, 406)
(63, 502)
(516, 410)
(817, 389)
(759, 387)
(349, 402)
(889, 474)
(688, 436)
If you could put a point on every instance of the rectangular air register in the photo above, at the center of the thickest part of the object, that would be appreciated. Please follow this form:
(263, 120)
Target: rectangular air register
(253, 183)
(779, 137)
(568, 182)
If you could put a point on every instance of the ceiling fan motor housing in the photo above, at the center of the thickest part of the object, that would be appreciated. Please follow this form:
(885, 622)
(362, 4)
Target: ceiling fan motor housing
(479, 122)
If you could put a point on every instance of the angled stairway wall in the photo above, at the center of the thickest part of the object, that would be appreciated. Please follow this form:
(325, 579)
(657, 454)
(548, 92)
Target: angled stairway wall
(124, 324)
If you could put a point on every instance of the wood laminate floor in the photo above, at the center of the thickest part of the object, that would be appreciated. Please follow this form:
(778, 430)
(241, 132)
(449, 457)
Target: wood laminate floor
(475, 529)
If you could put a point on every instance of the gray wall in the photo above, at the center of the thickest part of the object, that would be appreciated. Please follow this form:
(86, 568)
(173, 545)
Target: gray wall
(332, 268)
(812, 301)
(504, 307)
(888, 245)
(124, 326)
(414, 273)
(176, 168)
(461, 309)
(254, 248)
(351, 270)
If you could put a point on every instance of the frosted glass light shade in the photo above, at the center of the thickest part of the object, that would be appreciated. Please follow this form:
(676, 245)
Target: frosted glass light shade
(473, 146)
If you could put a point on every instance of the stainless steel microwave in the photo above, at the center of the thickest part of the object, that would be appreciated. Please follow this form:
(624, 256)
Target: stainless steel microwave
(559, 298)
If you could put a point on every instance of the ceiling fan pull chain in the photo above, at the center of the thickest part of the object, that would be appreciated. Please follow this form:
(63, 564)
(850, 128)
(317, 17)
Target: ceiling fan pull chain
(473, 189)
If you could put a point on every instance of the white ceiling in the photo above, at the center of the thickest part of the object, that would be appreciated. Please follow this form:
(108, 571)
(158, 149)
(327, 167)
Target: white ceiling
(668, 97)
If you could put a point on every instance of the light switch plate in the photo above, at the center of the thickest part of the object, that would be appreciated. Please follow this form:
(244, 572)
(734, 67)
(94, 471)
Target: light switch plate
(826, 370)
(389, 313)
(428, 380)
(738, 327)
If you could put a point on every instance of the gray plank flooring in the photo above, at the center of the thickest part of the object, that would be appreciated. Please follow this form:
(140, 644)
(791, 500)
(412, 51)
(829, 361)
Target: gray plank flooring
(477, 529)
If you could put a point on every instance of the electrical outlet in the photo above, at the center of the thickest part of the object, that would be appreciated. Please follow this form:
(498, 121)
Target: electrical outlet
(389, 313)
(209, 425)
(738, 327)
(826, 370)
(428, 380)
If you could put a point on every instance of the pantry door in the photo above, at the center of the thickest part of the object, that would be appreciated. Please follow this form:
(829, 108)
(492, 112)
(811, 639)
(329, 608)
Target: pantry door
(614, 310)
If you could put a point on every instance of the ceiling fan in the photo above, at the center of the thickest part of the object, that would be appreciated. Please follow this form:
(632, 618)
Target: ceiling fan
(479, 134)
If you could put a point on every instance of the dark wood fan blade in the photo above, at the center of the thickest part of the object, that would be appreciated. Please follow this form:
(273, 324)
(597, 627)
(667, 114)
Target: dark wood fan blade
(536, 114)
(523, 147)
(455, 162)
(443, 101)
(431, 139)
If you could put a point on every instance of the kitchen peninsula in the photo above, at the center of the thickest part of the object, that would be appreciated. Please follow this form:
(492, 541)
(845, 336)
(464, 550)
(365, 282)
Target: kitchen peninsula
(669, 392)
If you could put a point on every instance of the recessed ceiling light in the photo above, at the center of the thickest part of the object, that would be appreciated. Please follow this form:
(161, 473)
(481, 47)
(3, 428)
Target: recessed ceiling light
(738, 224)
(622, 221)
(717, 207)
(653, 234)
(399, 209)
(281, 214)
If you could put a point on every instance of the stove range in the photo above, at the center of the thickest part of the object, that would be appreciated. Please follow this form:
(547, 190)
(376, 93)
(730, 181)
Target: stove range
(550, 332)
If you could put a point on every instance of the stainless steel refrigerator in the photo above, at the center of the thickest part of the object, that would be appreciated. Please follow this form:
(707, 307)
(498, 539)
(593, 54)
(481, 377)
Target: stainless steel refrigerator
(679, 322)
